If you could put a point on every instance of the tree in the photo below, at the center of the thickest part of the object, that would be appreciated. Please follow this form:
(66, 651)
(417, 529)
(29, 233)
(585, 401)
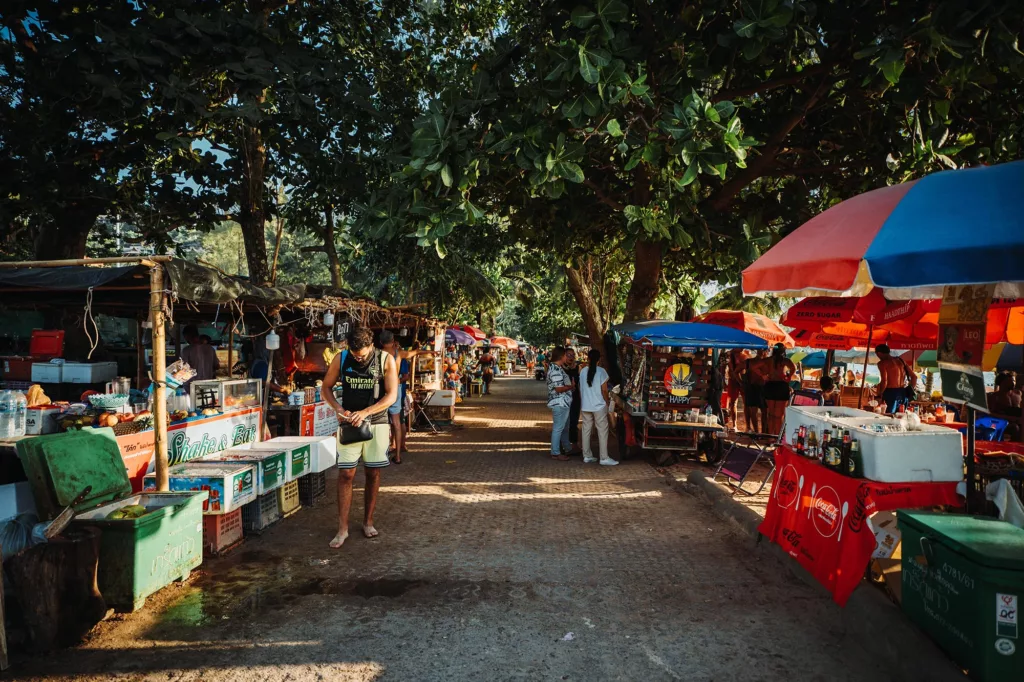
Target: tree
(694, 134)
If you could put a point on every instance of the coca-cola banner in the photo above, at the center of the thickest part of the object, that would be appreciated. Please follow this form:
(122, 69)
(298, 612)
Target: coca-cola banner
(820, 517)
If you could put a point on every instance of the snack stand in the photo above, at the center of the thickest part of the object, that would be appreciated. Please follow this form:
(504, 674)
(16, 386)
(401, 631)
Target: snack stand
(668, 383)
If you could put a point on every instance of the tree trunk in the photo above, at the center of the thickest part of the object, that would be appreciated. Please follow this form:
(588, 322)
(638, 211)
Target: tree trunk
(66, 237)
(582, 292)
(331, 250)
(684, 308)
(251, 215)
(643, 290)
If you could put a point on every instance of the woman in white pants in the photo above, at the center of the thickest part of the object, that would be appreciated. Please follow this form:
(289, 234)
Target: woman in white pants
(594, 408)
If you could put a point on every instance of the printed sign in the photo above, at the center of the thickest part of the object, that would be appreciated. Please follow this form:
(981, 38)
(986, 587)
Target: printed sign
(318, 419)
(300, 461)
(1006, 615)
(964, 385)
(679, 379)
(962, 324)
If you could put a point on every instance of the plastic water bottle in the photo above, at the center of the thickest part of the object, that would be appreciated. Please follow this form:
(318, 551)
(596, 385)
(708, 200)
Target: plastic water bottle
(6, 415)
(707, 413)
(19, 405)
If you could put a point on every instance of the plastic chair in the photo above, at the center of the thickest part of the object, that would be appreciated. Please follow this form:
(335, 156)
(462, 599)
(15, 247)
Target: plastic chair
(988, 428)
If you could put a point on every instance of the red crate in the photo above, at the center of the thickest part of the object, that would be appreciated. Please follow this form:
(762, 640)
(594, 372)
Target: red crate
(15, 368)
(47, 343)
(222, 532)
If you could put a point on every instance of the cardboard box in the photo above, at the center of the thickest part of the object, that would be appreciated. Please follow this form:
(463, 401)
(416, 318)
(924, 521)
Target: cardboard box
(41, 419)
(887, 536)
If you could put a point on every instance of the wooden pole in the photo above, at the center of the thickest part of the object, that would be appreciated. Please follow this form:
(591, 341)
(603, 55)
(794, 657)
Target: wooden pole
(231, 351)
(156, 310)
(139, 260)
(140, 356)
(864, 373)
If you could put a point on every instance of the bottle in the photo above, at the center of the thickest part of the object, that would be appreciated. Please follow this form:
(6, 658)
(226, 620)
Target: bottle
(834, 448)
(826, 442)
(6, 416)
(812, 442)
(800, 439)
(20, 412)
(856, 464)
(844, 462)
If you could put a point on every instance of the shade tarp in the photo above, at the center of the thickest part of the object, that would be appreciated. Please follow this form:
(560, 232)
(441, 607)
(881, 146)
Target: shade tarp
(688, 334)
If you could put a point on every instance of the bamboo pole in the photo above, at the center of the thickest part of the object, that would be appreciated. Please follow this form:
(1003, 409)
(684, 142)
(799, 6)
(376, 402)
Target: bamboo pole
(140, 356)
(156, 309)
(231, 351)
(138, 260)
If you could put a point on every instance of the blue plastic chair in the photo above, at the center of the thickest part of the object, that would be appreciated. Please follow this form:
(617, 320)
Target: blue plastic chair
(988, 428)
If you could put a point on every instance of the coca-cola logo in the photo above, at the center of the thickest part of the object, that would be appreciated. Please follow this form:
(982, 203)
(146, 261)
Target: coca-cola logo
(825, 511)
(859, 511)
(788, 486)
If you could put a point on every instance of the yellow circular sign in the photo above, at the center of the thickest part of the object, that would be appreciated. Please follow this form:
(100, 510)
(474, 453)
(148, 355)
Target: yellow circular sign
(679, 379)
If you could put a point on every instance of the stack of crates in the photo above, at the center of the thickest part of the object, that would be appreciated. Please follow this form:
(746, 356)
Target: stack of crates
(313, 489)
(288, 498)
(259, 515)
(222, 532)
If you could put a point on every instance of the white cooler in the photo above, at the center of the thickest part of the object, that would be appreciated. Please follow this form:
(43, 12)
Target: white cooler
(323, 450)
(89, 372)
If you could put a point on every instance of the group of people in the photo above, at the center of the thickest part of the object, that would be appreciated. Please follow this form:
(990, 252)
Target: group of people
(576, 392)
(763, 379)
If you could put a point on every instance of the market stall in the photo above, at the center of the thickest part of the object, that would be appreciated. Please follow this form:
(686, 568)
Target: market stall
(669, 394)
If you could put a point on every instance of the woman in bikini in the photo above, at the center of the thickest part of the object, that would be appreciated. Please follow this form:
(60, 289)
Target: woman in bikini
(776, 390)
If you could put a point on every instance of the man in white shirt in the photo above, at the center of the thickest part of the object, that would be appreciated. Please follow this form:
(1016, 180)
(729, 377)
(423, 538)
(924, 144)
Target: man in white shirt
(560, 389)
(202, 357)
(594, 398)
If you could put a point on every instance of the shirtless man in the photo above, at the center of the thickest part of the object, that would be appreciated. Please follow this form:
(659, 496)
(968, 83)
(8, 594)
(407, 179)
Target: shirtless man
(735, 385)
(753, 374)
(894, 375)
(776, 390)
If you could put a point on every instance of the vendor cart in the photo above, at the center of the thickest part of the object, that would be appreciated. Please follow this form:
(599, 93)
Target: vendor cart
(669, 379)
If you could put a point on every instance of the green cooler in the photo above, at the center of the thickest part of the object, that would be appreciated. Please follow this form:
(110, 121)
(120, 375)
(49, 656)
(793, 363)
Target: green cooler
(963, 582)
(138, 556)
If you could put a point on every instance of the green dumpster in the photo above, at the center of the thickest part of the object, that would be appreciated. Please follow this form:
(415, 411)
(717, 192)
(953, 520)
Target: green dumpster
(138, 556)
(963, 580)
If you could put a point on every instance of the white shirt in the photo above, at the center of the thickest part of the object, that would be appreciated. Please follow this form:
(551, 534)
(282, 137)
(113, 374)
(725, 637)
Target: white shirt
(591, 397)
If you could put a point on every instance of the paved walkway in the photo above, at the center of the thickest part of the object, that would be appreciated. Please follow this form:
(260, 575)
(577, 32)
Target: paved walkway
(494, 563)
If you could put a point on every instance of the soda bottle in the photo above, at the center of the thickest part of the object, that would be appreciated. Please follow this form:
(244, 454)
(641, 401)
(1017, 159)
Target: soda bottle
(856, 465)
(844, 461)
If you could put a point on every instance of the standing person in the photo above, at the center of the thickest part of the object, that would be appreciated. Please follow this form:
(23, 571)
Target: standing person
(396, 412)
(777, 389)
(754, 373)
(575, 407)
(369, 386)
(734, 385)
(202, 357)
(594, 396)
(531, 360)
(487, 370)
(560, 388)
(895, 377)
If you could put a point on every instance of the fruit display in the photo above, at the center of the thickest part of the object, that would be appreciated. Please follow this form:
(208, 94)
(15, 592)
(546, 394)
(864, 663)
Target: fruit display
(131, 511)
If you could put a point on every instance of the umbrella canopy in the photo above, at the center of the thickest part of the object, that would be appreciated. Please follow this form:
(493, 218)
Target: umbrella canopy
(472, 331)
(458, 337)
(503, 342)
(952, 227)
(1010, 357)
(810, 360)
(752, 323)
(691, 334)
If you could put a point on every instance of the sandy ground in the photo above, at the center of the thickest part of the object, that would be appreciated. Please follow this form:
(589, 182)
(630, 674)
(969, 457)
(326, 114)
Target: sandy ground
(494, 563)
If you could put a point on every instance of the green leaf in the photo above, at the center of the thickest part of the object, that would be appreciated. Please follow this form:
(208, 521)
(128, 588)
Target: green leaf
(745, 27)
(866, 52)
(725, 109)
(731, 141)
(612, 10)
(893, 70)
(942, 109)
(689, 176)
(572, 109)
(734, 125)
(651, 153)
(587, 69)
(439, 247)
(446, 176)
(614, 129)
(591, 103)
(472, 211)
(583, 16)
(570, 171)
(751, 49)
(710, 113)
(633, 161)
(436, 166)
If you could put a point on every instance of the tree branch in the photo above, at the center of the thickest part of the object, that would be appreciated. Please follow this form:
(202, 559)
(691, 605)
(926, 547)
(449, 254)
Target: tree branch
(733, 93)
(602, 197)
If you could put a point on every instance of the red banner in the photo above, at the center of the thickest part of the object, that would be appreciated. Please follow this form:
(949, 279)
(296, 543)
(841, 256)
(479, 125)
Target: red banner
(820, 517)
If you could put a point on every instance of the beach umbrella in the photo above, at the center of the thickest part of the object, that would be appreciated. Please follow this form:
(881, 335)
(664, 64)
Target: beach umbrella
(752, 323)
(503, 342)
(472, 331)
(910, 240)
(458, 337)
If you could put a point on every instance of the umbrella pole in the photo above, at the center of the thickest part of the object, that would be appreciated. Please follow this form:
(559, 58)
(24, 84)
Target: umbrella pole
(864, 372)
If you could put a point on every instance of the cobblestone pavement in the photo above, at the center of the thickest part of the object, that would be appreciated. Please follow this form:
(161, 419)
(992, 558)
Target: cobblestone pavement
(494, 563)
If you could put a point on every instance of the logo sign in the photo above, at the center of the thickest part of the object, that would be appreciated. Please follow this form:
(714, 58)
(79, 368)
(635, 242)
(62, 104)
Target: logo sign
(963, 385)
(962, 323)
(788, 489)
(679, 379)
(1005, 647)
(826, 512)
(1006, 615)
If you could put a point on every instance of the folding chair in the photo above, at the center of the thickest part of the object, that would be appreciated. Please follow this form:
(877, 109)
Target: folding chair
(419, 412)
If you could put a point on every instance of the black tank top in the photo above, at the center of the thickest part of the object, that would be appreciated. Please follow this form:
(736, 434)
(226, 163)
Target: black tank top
(363, 385)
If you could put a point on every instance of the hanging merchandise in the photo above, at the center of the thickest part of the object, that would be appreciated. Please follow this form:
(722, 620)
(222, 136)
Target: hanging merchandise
(329, 319)
(273, 341)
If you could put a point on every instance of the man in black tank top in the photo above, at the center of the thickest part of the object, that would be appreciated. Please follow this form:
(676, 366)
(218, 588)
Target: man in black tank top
(369, 385)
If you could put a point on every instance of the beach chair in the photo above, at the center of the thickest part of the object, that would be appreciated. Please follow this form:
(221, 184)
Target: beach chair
(741, 458)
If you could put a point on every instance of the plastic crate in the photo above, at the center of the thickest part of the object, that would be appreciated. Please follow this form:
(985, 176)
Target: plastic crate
(288, 498)
(313, 489)
(222, 532)
(259, 515)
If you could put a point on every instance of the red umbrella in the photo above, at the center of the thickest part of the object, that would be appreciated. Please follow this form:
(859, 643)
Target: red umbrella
(472, 331)
(752, 323)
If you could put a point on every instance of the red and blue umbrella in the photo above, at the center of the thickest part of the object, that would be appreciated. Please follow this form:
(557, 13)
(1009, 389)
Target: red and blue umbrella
(910, 240)
(458, 337)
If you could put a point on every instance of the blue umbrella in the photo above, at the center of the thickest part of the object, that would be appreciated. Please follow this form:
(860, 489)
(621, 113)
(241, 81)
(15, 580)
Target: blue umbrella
(689, 334)
(1012, 358)
(458, 337)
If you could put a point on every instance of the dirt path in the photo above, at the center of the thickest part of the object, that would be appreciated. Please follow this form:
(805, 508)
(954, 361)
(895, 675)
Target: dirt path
(490, 555)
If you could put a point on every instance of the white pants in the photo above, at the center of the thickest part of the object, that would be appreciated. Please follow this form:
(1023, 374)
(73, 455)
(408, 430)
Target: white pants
(600, 419)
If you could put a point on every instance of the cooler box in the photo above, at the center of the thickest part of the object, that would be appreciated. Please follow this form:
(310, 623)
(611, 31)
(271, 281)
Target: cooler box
(17, 368)
(89, 372)
(299, 459)
(963, 584)
(270, 465)
(46, 343)
(323, 450)
(229, 485)
(138, 556)
(47, 372)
